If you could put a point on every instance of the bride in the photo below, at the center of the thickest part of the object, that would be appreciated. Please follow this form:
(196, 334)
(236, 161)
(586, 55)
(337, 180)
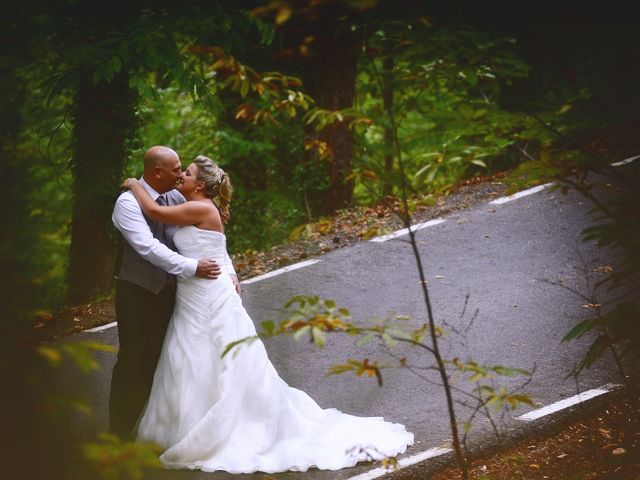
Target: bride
(235, 413)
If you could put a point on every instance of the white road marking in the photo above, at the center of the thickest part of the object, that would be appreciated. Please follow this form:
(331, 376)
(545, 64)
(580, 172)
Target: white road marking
(625, 161)
(280, 271)
(533, 415)
(566, 403)
(402, 463)
(523, 193)
(102, 327)
(405, 231)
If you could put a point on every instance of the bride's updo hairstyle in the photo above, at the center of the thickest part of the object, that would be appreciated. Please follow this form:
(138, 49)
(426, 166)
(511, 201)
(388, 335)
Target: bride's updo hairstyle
(217, 185)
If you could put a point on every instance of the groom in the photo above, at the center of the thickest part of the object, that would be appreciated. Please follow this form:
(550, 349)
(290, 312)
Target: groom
(145, 288)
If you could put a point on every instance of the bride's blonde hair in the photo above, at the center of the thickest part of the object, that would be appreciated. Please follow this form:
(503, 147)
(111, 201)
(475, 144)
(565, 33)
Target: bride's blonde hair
(217, 185)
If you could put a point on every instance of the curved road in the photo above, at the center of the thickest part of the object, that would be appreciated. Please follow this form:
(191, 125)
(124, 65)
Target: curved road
(502, 256)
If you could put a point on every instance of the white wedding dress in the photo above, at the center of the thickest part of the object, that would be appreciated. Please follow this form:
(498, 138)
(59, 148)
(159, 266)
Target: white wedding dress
(236, 414)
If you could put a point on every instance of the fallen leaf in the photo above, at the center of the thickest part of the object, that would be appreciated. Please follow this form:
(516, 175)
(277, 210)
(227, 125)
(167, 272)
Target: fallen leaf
(608, 446)
(592, 305)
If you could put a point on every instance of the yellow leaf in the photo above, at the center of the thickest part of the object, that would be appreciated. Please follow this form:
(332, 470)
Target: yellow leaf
(52, 355)
(283, 15)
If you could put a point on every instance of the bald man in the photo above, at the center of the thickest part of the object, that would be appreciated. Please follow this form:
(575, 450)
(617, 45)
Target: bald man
(145, 288)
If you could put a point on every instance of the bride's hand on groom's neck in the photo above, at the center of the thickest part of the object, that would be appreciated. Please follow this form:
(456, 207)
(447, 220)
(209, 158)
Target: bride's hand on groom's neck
(126, 185)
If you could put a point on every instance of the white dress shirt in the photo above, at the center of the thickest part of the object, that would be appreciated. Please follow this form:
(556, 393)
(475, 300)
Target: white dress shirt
(128, 219)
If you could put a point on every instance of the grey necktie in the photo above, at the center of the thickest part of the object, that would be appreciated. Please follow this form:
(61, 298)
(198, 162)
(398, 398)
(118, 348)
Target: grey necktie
(162, 202)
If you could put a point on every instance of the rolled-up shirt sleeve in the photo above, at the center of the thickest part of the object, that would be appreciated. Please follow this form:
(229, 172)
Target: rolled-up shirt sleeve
(128, 219)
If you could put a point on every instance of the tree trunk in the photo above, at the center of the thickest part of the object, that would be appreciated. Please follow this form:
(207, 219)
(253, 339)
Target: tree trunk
(104, 122)
(389, 139)
(331, 82)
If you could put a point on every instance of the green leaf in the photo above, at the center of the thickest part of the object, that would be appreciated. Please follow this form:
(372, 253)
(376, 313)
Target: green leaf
(248, 340)
(510, 372)
(368, 338)
(303, 331)
(52, 355)
(299, 299)
(466, 110)
(269, 326)
(244, 88)
(389, 341)
(318, 337)
(517, 399)
(466, 426)
(338, 369)
(581, 328)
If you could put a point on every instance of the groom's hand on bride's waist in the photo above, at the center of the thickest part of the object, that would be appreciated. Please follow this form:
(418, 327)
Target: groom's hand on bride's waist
(207, 268)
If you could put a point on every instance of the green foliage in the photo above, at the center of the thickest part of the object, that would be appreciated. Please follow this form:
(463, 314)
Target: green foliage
(249, 128)
(81, 353)
(36, 203)
(111, 459)
(443, 87)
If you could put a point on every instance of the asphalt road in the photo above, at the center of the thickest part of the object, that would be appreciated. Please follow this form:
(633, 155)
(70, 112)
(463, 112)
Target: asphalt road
(502, 257)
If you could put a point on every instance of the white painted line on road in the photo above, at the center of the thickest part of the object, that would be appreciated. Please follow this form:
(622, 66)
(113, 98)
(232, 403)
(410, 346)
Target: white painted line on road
(523, 193)
(625, 161)
(402, 463)
(280, 271)
(566, 403)
(102, 327)
(405, 231)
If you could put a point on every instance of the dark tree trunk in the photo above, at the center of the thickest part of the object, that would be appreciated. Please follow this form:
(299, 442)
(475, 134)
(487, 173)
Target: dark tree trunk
(389, 140)
(331, 82)
(104, 122)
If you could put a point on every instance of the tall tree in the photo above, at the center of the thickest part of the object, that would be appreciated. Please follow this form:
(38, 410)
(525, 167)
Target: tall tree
(331, 79)
(104, 124)
(99, 63)
(321, 46)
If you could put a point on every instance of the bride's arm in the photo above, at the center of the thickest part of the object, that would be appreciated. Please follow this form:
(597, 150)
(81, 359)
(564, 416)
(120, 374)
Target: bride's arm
(187, 213)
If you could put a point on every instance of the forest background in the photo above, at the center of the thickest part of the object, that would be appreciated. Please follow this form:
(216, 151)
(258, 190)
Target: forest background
(284, 96)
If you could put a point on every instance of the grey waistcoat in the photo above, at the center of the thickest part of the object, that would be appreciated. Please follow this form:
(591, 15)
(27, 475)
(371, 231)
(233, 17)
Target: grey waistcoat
(135, 269)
